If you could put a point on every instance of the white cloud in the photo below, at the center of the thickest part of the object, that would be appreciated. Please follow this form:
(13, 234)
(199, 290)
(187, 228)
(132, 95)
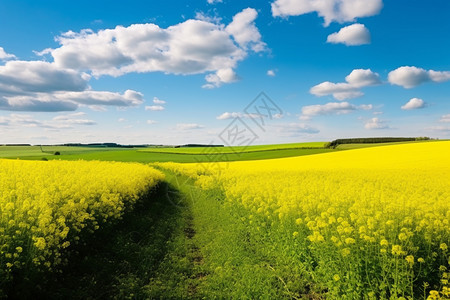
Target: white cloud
(228, 115)
(331, 108)
(363, 77)
(331, 10)
(207, 18)
(68, 101)
(376, 123)
(410, 76)
(43, 86)
(352, 35)
(120, 120)
(445, 118)
(17, 77)
(128, 98)
(191, 47)
(244, 31)
(5, 56)
(271, 73)
(214, 1)
(151, 122)
(220, 77)
(154, 107)
(58, 122)
(357, 79)
(188, 126)
(232, 115)
(278, 116)
(158, 101)
(414, 103)
(340, 91)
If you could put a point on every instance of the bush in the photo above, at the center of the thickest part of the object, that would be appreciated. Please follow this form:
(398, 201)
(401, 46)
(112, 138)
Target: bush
(57, 153)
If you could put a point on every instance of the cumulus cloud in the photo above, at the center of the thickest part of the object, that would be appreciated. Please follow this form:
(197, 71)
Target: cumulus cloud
(151, 122)
(271, 73)
(155, 107)
(28, 103)
(38, 76)
(352, 35)
(331, 10)
(376, 123)
(58, 122)
(244, 31)
(156, 100)
(208, 18)
(331, 108)
(188, 126)
(190, 47)
(220, 77)
(414, 103)
(232, 115)
(445, 118)
(5, 56)
(128, 98)
(68, 101)
(44, 86)
(357, 79)
(278, 116)
(410, 76)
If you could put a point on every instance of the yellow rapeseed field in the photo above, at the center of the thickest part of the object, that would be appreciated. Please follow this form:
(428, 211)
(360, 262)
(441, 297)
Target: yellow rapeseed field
(45, 206)
(372, 222)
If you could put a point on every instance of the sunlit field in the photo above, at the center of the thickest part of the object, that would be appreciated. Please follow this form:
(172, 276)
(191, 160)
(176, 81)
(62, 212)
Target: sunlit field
(371, 221)
(46, 207)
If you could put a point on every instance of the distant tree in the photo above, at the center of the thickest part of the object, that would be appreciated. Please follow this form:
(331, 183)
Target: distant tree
(57, 153)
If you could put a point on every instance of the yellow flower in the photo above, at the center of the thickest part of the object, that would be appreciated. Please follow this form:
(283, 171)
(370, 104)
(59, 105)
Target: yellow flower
(410, 260)
(349, 241)
(384, 243)
(336, 277)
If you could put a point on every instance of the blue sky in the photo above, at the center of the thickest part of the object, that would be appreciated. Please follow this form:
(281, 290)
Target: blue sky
(177, 72)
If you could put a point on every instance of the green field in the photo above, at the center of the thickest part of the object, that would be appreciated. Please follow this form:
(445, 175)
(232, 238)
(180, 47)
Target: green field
(171, 154)
(148, 155)
(35, 151)
(236, 149)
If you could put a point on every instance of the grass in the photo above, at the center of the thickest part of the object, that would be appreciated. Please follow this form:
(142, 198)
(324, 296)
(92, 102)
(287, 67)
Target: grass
(179, 155)
(235, 149)
(35, 151)
(134, 155)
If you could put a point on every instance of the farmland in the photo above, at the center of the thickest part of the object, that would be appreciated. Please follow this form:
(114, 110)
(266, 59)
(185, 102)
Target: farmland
(48, 206)
(148, 155)
(348, 220)
(321, 223)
